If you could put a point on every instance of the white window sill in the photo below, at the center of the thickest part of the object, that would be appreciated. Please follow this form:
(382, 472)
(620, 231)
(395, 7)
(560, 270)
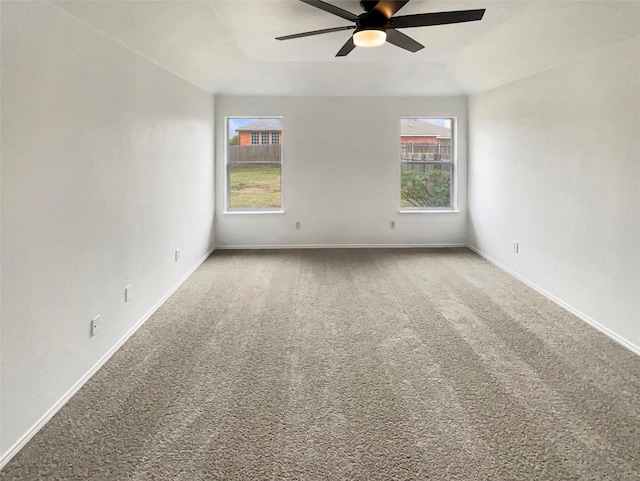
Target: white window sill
(429, 211)
(253, 212)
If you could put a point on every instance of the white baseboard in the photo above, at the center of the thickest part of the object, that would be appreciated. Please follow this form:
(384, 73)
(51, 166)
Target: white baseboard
(620, 340)
(18, 445)
(339, 246)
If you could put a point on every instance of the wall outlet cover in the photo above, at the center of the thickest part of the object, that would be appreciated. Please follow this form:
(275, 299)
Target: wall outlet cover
(95, 325)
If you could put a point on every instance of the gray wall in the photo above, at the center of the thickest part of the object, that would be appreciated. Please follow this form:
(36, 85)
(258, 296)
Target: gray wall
(106, 169)
(555, 164)
(341, 174)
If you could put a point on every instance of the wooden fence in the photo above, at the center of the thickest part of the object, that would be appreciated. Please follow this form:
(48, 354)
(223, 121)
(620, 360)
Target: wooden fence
(436, 151)
(258, 154)
(423, 157)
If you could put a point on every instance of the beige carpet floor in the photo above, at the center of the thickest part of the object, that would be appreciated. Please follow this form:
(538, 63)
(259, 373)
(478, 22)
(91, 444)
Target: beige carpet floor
(351, 364)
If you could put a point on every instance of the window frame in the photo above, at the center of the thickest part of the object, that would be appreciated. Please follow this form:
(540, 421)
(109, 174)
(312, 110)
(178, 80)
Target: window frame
(453, 192)
(227, 193)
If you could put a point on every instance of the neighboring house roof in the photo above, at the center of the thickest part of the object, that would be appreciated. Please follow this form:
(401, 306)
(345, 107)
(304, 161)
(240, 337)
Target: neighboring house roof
(421, 128)
(262, 125)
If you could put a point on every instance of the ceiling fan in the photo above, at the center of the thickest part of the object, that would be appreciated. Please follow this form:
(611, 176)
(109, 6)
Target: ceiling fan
(378, 25)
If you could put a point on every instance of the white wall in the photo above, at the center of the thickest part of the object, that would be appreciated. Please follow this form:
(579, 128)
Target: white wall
(107, 167)
(341, 173)
(555, 164)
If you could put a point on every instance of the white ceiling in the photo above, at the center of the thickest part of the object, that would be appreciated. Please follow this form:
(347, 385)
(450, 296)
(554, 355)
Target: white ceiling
(229, 46)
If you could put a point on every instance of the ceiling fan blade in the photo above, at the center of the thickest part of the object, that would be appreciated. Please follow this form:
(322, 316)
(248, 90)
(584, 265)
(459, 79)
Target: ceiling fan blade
(438, 18)
(331, 9)
(389, 8)
(401, 40)
(316, 32)
(346, 48)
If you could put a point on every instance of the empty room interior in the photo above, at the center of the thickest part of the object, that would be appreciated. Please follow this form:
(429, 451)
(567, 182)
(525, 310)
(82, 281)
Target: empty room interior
(306, 240)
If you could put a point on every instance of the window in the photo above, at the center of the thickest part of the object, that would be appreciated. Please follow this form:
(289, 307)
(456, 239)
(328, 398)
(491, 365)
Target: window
(254, 168)
(275, 137)
(427, 160)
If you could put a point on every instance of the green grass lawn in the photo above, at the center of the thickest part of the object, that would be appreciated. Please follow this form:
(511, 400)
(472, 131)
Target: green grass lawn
(254, 187)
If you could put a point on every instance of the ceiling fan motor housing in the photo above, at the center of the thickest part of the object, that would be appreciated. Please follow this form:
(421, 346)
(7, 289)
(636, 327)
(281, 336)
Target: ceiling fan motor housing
(371, 20)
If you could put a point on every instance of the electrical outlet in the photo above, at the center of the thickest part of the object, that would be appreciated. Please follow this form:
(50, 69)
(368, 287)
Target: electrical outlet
(177, 256)
(392, 224)
(95, 325)
(127, 293)
(298, 225)
(515, 247)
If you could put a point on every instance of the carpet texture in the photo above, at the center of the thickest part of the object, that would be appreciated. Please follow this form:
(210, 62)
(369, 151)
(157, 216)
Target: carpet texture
(351, 364)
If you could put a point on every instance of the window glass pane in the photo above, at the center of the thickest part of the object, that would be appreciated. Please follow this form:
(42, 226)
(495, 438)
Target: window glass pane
(254, 166)
(427, 163)
(426, 186)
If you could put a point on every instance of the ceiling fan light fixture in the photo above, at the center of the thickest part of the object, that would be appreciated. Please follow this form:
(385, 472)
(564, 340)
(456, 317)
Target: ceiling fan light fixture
(372, 37)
